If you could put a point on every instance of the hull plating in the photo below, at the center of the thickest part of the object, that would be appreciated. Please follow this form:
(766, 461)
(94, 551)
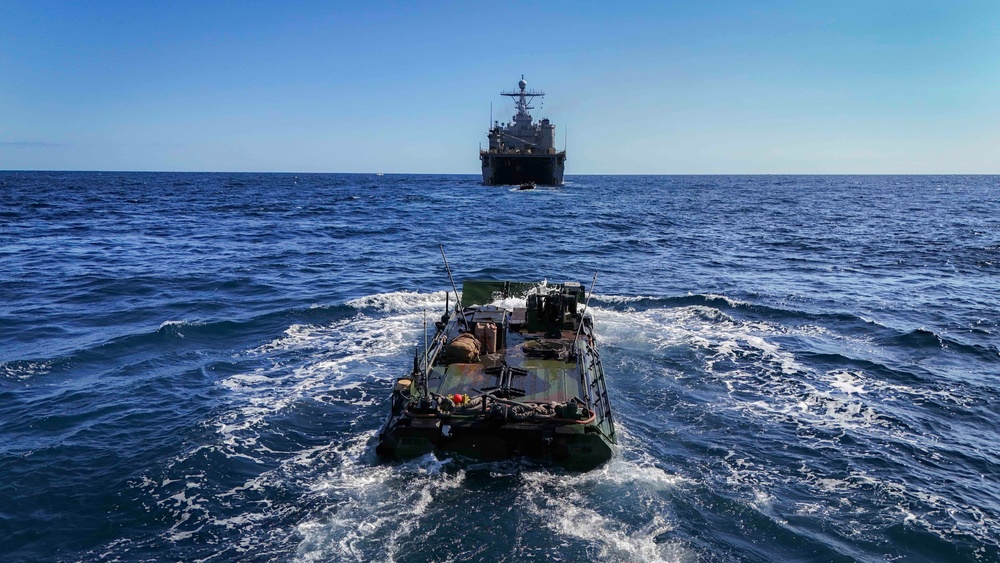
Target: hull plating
(544, 170)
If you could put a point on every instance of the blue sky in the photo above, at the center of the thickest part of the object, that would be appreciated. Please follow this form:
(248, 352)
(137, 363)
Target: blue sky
(700, 87)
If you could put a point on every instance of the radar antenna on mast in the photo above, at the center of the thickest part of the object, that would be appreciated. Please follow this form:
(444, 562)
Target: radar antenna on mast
(522, 98)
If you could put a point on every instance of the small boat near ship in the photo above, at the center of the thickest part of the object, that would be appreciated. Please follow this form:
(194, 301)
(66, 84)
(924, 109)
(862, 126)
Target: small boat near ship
(496, 382)
(527, 186)
(521, 150)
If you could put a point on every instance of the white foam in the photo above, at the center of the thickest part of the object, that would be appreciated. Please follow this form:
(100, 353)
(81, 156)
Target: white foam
(623, 299)
(402, 302)
(25, 370)
(562, 504)
(328, 363)
(377, 506)
(760, 376)
(847, 382)
(373, 509)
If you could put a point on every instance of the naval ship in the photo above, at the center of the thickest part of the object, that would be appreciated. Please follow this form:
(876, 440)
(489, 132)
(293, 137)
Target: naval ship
(498, 381)
(521, 151)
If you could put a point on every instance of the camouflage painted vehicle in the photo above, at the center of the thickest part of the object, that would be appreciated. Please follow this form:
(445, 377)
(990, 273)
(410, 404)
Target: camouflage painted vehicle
(498, 381)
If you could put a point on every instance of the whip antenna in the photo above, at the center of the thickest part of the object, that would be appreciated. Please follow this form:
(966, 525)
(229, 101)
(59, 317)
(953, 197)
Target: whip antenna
(426, 390)
(586, 306)
(458, 302)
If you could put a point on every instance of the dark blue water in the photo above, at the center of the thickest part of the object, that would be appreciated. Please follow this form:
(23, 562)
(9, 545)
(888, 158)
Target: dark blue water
(194, 367)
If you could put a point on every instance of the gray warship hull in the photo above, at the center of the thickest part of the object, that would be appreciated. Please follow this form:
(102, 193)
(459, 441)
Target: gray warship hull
(505, 169)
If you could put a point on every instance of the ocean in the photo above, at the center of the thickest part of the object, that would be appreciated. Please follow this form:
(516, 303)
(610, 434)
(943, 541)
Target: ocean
(194, 367)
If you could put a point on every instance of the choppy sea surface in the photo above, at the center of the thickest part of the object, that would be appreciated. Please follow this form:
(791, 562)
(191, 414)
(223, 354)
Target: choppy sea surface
(194, 367)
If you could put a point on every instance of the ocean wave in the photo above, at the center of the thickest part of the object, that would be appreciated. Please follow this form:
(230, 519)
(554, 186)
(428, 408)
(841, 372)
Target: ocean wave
(273, 421)
(404, 510)
(744, 308)
(925, 339)
(587, 509)
(198, 371)
(26, 369)
(817, 403)
(401, 301)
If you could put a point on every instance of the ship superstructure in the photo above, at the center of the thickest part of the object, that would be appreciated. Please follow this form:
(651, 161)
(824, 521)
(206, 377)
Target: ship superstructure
(522, 151)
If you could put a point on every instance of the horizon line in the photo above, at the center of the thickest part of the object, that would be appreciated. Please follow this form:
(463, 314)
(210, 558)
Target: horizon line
(96, 171)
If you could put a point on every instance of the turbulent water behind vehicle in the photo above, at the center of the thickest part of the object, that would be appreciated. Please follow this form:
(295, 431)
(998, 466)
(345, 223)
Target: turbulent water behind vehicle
(195, 367)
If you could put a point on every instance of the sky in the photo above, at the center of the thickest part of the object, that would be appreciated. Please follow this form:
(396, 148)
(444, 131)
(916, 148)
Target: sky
(664, 87)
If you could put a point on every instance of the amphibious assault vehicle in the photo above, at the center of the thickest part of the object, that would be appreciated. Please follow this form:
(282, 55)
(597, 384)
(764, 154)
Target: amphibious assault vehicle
(497, 381)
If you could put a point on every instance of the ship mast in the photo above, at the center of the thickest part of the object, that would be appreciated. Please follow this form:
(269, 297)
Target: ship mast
(522, 98)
